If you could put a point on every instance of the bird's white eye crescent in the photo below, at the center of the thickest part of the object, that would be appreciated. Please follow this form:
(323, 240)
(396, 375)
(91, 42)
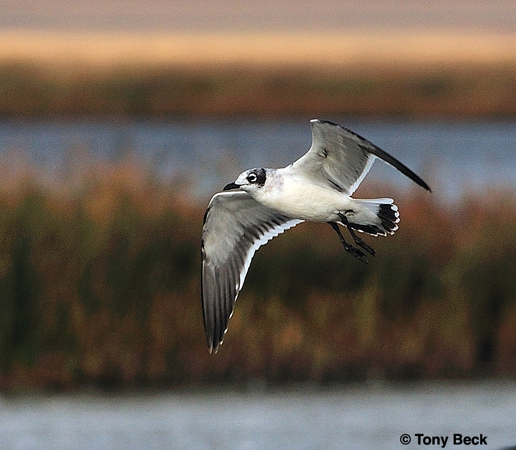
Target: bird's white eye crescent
(252, 178)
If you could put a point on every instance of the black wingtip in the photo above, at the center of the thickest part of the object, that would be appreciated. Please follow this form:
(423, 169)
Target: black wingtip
(421, 183)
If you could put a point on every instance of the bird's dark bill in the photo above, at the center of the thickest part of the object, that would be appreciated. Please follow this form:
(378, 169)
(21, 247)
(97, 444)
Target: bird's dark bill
(230, 186)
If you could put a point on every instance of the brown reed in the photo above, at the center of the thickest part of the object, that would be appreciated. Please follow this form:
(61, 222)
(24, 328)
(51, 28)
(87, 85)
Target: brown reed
(100, 287)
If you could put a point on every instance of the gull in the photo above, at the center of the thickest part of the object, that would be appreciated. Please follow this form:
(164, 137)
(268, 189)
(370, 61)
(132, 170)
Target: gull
(262, 203)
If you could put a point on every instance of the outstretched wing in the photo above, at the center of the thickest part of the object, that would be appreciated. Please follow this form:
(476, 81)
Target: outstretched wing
(340, 159)
(235, 226)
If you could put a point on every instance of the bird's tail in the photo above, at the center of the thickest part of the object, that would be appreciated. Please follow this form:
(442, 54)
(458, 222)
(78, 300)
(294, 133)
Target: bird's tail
(378, 216)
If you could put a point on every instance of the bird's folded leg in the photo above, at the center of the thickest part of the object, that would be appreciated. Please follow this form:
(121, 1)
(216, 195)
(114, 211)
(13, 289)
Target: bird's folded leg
(358, 240)
(356, 252)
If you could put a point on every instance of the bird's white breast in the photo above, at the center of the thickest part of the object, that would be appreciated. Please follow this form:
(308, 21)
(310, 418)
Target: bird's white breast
(302, 200)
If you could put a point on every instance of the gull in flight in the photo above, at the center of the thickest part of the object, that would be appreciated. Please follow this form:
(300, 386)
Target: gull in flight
(262, 203)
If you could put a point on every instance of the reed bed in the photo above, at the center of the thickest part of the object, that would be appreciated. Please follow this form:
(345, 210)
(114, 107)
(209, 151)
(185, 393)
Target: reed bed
(100, 288)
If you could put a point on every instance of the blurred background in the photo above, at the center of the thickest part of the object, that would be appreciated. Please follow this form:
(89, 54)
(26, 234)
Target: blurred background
(118, 122)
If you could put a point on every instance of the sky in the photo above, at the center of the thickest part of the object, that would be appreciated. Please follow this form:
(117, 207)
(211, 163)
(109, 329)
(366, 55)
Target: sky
(482, 16)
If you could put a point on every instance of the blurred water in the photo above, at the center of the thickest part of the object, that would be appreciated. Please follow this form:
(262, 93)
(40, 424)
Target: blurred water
(357, 418)
(454, 157)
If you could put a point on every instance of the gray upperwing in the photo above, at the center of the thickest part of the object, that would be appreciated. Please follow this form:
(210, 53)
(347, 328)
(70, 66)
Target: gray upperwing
(235, 226)
(340, 158)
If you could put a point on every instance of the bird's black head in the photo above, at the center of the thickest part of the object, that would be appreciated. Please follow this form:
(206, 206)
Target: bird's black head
(256, 176)
(249, 180)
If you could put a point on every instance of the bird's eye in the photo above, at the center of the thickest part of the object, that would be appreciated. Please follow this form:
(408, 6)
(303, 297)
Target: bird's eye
(252, 178)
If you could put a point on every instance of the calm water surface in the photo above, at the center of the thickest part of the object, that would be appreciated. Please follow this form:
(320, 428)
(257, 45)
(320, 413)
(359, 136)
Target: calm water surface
(454, 157)
(352, 418)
